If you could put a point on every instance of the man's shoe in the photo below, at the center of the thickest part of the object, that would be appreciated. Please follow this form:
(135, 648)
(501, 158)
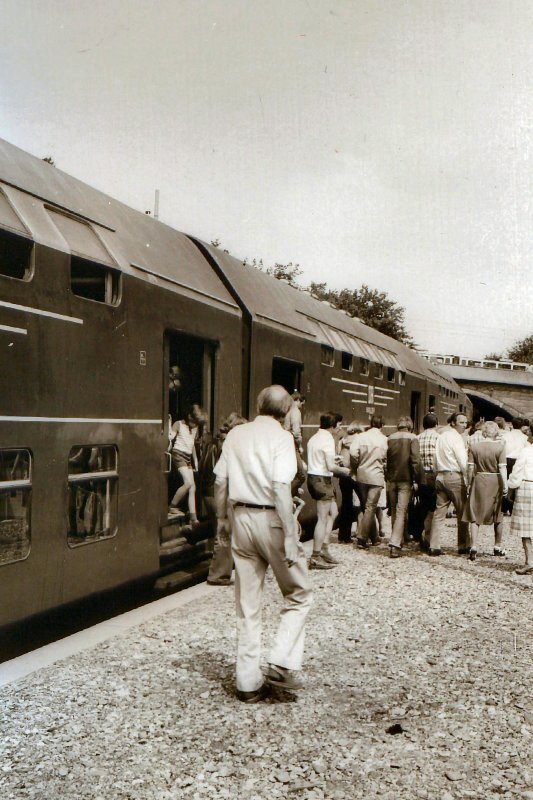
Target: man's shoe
(395, 552)
(463, 551)
(219, 581)
(499, 551)
(424, 544)
(436, 551)
(255, 696)
(287, 679)
(326, 556)
(318, 562)
(362, 543)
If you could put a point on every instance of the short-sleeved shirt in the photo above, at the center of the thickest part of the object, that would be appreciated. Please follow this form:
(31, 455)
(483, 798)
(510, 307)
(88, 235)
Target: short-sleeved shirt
(319, 447)
(254, 456)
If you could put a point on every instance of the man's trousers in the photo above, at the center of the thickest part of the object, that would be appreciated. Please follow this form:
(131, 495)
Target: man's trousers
(258, 540)
(398, 497)
(451, 488)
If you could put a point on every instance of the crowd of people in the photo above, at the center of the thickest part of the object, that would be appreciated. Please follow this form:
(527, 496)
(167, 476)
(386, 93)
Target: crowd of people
(250, 478)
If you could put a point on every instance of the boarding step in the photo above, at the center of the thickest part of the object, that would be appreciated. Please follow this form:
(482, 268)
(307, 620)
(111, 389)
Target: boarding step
(192, 573)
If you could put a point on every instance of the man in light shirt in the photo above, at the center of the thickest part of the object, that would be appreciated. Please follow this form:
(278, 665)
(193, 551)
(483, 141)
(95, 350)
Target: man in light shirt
(451, 468)
(368, 455)
(321, 466)
(254, 473)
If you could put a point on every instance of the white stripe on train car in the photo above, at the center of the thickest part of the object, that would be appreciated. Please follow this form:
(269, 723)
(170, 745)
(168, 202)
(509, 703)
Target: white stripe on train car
(11, 329)
(88, 420)
(40, 312)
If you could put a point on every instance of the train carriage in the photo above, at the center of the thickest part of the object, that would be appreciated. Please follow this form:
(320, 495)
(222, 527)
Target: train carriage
(98, 305)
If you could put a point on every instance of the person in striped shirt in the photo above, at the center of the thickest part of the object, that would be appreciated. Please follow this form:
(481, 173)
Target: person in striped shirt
(427, 493)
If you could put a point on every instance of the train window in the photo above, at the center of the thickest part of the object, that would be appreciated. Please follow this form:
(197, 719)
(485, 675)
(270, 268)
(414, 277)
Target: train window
(94, 281)
(378, 371)
(92, 493)
(432, 401)
(347, 362)
(15, 255)
(401, 378)
(327, 355)
(390, 374)
(15, 505)
(364, 366)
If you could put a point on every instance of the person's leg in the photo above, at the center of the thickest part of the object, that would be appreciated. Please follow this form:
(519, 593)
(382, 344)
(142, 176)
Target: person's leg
(457, 490)
(474, 538)
(332, 514)
(345, 517)
(498, 535)
(369, 497)
(187, 476)
(403, 492)
(392, 501)
(319, 536)
(250, 569)
(441, 507)
(294, 584)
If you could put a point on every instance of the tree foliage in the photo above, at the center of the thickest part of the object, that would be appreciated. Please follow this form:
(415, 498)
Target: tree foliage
(49, 160)
(371, 306)
(522, 350)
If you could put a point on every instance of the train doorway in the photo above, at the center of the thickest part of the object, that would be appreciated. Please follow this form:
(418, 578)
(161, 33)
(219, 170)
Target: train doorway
(415, 410)
(188, 379)
(287, 373)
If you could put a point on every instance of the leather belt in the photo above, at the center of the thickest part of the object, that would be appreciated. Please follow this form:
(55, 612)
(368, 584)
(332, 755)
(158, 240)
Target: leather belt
(253, 505)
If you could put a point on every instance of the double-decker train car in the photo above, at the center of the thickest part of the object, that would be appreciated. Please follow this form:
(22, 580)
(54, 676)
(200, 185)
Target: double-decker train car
(98, 303)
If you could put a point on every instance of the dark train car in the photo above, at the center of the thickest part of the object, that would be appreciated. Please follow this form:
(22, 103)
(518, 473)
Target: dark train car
(97, 302)
(339, 363)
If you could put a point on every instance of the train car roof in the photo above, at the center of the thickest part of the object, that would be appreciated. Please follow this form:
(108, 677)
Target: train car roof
(39, 201)
(274, 302)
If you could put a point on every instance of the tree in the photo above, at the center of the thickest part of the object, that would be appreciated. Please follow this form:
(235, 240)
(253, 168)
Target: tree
(374, 308)
(522, 351)
(494, 357)
(49, 160)
(286, 272)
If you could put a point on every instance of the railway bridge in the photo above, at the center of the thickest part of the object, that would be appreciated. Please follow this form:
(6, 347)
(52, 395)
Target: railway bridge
(496, 388)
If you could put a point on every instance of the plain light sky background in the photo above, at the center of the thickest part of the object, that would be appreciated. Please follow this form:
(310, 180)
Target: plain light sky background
(377, 141)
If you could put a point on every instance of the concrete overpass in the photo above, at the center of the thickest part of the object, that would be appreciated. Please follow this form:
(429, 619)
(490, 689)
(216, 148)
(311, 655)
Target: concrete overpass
(495, 392)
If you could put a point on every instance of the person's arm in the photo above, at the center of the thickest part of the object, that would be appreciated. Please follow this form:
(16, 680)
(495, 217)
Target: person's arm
(354, 455)
(414, 463)
(459, 449)
(283, 504)
(336, 469)
(519, 471)
(221, 504)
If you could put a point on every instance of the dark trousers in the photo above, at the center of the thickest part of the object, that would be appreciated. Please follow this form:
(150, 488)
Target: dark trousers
(507, 503)
(346, 514)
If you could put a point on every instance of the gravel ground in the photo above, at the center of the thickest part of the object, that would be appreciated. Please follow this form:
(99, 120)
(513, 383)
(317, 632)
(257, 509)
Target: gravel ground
(418, 686)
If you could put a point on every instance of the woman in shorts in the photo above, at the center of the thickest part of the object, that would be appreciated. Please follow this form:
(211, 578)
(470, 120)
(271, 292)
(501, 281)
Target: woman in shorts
(184, 460)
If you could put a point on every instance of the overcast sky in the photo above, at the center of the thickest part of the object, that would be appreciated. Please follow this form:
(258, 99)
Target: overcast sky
(378, 141)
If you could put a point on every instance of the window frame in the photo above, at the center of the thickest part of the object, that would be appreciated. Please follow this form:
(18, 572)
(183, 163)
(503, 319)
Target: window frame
(111, 479)
(25, 484)
(391, 374)
(327, 349)
(364, 366)
(344, 355)
(29, 269)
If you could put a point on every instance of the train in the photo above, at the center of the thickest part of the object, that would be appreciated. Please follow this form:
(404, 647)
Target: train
(98, 303)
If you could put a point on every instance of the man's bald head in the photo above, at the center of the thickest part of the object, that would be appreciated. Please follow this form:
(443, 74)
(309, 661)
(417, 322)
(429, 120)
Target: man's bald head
(274, 401)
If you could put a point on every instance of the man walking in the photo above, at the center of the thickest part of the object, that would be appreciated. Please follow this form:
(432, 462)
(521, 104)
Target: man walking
(451, 469)
(403, 477)
(368, 454)
(254, 474)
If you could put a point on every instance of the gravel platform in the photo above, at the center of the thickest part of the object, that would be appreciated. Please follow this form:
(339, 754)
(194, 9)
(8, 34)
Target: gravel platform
(419, 676)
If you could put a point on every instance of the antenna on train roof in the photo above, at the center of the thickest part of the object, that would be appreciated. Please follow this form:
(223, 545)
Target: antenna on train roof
(156, 205)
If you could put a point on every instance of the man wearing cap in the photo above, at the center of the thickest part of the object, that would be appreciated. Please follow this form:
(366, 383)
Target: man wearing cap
(254, 474)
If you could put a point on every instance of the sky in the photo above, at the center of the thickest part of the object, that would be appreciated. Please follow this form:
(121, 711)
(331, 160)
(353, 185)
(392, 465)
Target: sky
(384, 142)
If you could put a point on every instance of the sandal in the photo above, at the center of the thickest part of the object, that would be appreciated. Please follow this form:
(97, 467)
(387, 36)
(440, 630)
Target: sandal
(472, 554)
(526, 570)
(499, 551)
